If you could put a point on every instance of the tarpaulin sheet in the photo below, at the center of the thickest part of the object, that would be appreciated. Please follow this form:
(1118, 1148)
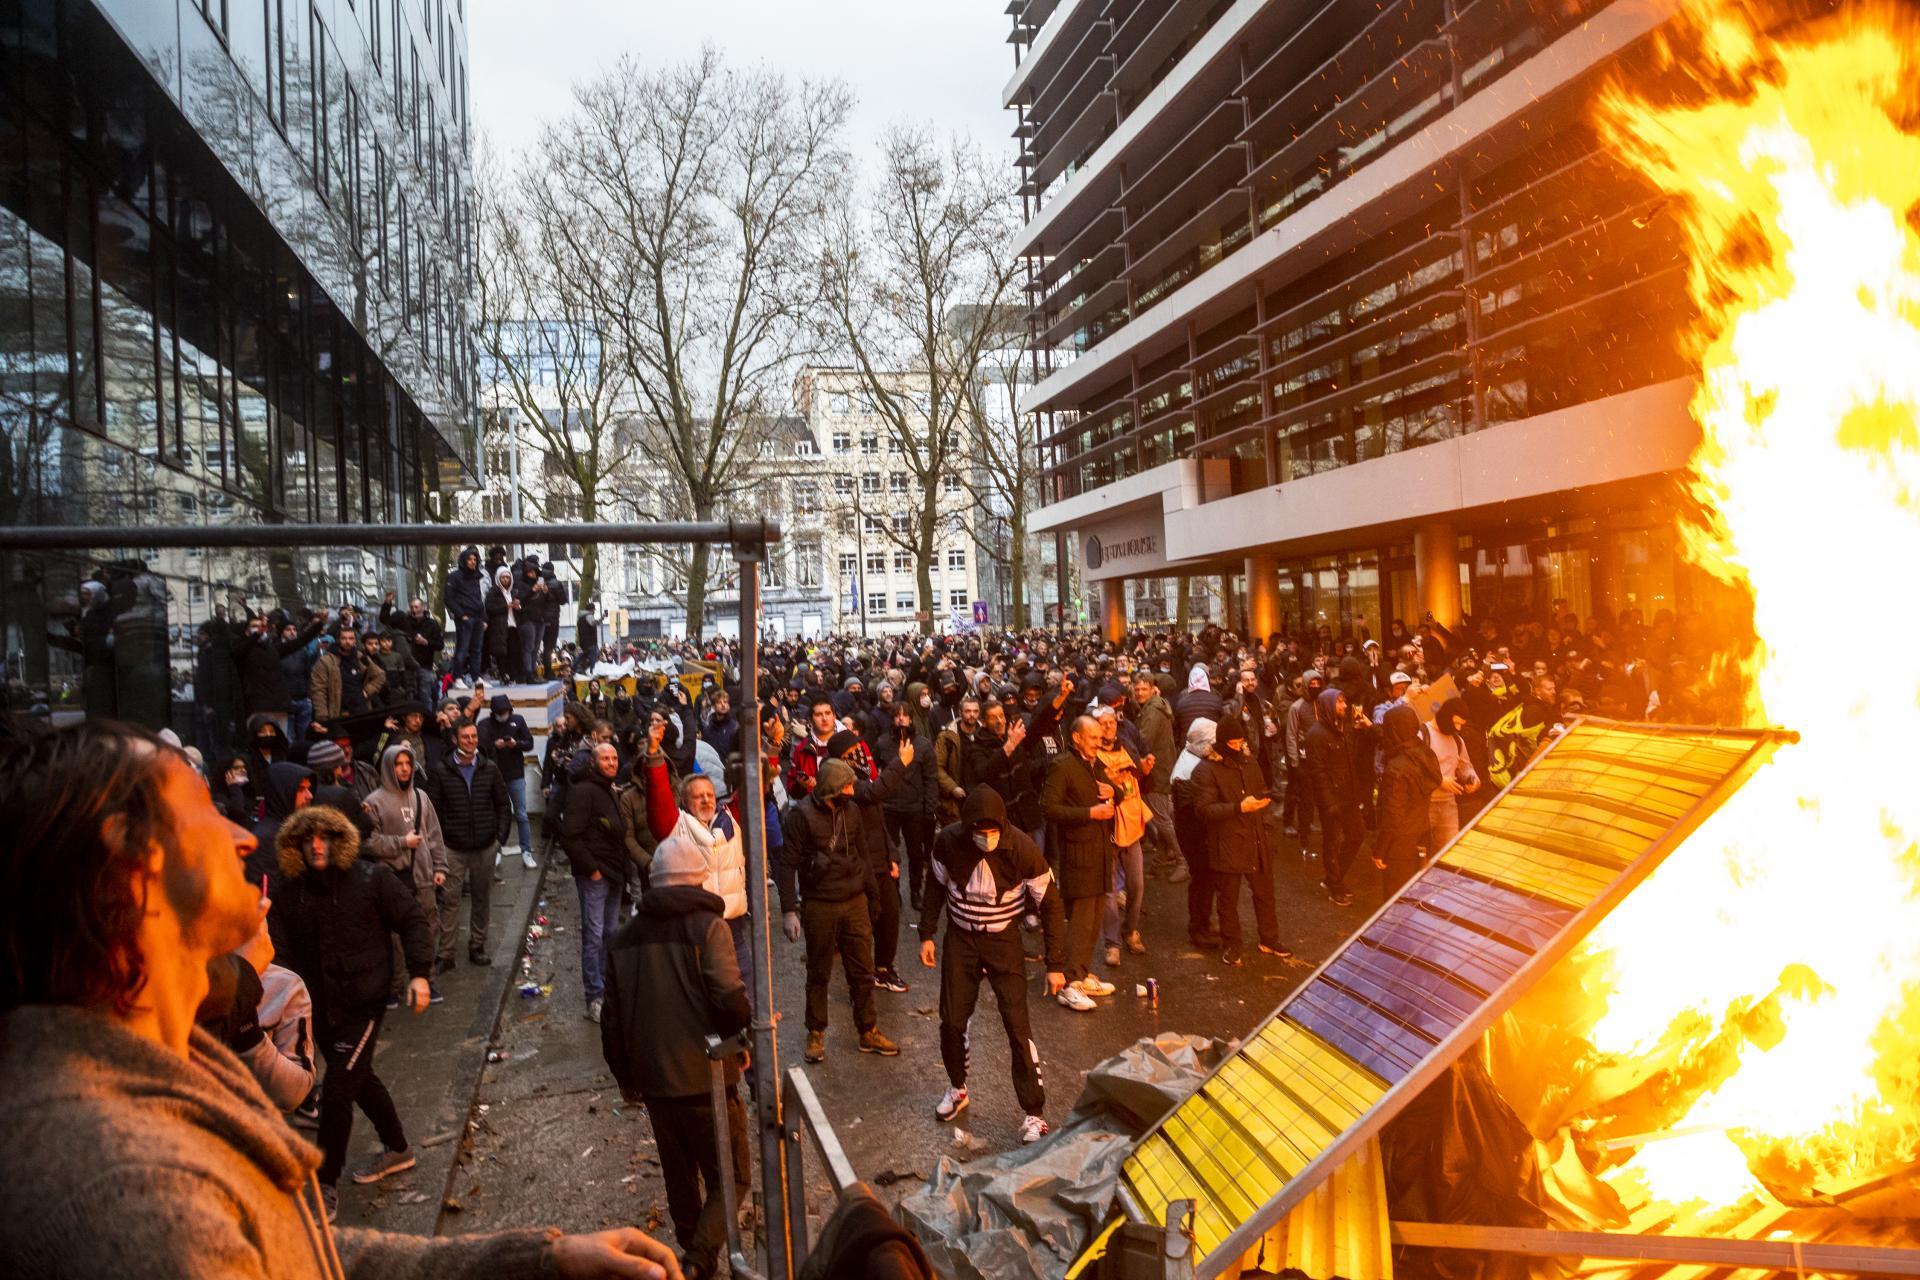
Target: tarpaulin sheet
(1027, 1213)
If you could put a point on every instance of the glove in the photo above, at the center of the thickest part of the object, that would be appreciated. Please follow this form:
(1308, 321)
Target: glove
(793, 926)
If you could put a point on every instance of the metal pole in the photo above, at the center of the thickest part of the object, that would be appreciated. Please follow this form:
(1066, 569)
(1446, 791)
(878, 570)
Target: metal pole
(111, 537)
(753, 814)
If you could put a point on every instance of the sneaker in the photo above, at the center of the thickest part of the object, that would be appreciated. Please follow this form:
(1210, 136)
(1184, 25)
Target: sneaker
(1293, 832)
(1340, 897)
(385, 1165)
(1179, 874)
(1095, 987)
(330, 1201)
(1134, 944)
(816, 1046)
(528, 861)
(1032, 1129)
(1276, 950)
(1230, 957)
(1075, 999)
(873, 1042)
(393, 1002)
(442, 966)
(306, 1115)
(480, 958)
(496, 858)
(890, 980)
(593, 1010)
(952, 1103)
(1113, 957)
(433, 992)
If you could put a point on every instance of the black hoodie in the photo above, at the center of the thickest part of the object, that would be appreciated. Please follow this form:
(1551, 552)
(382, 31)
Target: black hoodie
(283, 786)
(672, 981)
(466, 588)
(1018, 879)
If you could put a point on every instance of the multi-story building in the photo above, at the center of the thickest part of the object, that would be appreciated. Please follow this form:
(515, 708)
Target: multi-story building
(1347, 309)
(859, 501)
(234, 241)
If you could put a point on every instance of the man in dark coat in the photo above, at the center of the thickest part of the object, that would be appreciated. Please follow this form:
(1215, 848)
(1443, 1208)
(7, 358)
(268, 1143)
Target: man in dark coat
(1230, 795)
(1333, 784)
(257, 655)
(594, 835)
(826, 880)
(986, 875)
(467, 604)
(672, 981)
(1199, 702)
(504, 736)
(470, 797)
(331, 920)
(1410, 776)
(422, 633)
(1077, 803)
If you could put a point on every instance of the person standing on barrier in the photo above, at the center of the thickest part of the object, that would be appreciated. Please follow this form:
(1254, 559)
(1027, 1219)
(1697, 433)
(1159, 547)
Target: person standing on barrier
(987, 873)
(672, 981)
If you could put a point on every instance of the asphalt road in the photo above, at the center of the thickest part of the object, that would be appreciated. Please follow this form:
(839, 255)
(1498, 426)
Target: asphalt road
(549, 1141)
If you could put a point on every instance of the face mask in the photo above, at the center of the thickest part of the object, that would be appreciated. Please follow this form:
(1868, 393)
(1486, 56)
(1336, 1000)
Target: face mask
(986, 841)
(925, 701)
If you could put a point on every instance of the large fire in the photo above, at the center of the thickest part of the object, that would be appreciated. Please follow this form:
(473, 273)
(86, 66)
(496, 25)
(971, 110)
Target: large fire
(1769, 972)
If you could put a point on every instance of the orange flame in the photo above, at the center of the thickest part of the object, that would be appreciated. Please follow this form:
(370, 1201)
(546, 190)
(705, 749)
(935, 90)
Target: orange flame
(1784, 938)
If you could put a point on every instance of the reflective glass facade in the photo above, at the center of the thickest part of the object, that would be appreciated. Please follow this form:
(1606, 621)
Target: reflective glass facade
(233, 253)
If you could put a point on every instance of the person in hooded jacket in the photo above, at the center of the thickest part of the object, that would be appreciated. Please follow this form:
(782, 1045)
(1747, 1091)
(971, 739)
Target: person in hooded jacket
(1199, 700)
(266, 746)
(1332, 782)
(406, 838)
(1297, 811)
(257, 655)
(466, 602)
(1459, 780)
(289, 789)
(331, 921)
(909, 810)
(504, 736)
(1408, 780)
(872, 788)
(671, 982)
(593, 833)
(986, 875)
(1230, 795)
(529, 605)
(503, 631)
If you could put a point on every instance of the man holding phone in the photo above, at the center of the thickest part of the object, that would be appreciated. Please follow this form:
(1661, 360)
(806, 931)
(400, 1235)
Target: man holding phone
(1231, 797)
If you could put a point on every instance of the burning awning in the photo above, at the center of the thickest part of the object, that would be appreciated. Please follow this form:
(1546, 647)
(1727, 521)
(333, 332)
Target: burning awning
(1418, 985)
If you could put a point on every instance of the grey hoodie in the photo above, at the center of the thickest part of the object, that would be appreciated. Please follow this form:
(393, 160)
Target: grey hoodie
(399, 812)
(124, 1159)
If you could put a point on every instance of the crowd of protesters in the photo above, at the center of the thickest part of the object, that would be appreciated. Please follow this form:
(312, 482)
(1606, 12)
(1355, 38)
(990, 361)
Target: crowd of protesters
(1028, 788)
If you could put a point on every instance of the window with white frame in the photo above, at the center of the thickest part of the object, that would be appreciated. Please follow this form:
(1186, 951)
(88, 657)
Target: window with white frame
(897, 483)
(950, 482)
(876, 562)
(843, 442)
(870, 482)
(807, 559)
(871, 526)
(849, 564)
(837, 404)
(902, 523)
(877, 602)
(905, 601)
(902, 562)
(843, 486)
(957, 598)
(806, 497)
(957, 559)
(869, 445)
(775, 566)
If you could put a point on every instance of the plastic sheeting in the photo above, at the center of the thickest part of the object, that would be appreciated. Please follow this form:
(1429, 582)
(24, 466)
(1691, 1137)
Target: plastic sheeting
(1027, 1214)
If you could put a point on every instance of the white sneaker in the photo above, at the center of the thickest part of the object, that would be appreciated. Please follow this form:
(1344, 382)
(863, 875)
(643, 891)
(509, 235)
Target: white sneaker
(1032, 1129)
(593, 1010)
(952, 1104)
(528, 861)
(1095, 987)
(1075, 999)
(496, 859)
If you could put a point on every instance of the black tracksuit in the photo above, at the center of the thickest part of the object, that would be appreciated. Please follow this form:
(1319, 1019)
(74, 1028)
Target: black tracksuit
(984, 896)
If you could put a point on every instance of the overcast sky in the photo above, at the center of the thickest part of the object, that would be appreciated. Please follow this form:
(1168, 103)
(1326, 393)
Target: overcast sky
(935, 61)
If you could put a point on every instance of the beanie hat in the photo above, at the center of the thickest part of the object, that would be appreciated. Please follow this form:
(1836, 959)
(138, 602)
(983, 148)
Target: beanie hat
(677, 861)
(842, 742)
(835, 776)
(1229, 728)
(323, 757)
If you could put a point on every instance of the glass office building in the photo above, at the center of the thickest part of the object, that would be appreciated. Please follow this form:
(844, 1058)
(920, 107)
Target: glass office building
(1349, 307)
(234, 250)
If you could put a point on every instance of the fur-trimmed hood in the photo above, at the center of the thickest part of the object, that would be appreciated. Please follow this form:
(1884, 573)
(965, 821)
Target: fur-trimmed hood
(298, 830)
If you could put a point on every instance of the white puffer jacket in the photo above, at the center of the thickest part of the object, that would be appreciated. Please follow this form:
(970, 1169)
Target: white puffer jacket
(726, 858)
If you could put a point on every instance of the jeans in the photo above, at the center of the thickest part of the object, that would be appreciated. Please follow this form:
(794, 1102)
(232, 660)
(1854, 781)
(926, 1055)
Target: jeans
(517, 792)
(599, 918)
(1130, 877)
(469, 647)
(1160, 828)
(1443, 822)
(529, 655)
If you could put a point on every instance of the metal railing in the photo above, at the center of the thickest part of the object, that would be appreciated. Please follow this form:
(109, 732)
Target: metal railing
(783, 1235)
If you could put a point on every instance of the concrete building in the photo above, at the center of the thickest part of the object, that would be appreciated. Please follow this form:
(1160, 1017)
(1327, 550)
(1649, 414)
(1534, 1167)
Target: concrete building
(234, 246)
(1347, 311)
(857, 499)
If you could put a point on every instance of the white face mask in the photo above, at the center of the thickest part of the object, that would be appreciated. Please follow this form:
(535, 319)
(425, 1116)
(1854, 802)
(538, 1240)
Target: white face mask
(986, 841)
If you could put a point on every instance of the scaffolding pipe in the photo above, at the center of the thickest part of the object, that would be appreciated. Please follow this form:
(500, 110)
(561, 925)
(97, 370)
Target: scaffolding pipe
(741, 533)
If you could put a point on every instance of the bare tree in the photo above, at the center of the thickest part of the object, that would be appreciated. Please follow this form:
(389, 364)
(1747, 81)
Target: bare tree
(1001, 463)
(915, 278)
(542, 340)
(695, 197)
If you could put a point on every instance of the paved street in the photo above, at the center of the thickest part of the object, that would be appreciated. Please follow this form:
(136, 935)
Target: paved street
(550, 1141)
